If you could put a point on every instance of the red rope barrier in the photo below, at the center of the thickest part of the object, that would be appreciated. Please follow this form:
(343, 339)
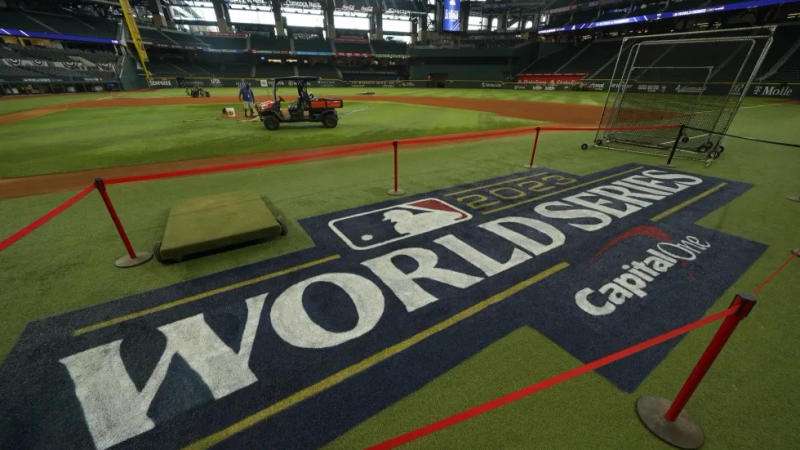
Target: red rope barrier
(247, 165)
(552, 381)
(775, 273)
(7, 242)
(420, 140)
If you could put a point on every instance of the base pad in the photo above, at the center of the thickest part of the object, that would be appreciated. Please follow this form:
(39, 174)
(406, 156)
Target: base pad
(206, 224)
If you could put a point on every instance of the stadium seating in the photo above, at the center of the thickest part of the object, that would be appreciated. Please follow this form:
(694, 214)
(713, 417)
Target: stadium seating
(62, 24)
(389, 47)
(784, 38)
(263, 42)
(598, 53)
(224, 42)
(352, 47)
(318, 70)
(98, 56)
(103, 28)
(312, 45)
(184, 39)
(16, 74)
(73, 24)
(370, 74)
(153, 36)
(790, 71)
(164, 68)
(489, 72)
(553, 61)
(269, 70)
(15, 18)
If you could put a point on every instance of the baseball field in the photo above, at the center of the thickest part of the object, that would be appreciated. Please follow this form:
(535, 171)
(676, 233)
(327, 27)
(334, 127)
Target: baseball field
(60, 279)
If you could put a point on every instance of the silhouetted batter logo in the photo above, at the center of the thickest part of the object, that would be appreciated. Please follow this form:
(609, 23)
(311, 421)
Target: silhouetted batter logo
(378, 227)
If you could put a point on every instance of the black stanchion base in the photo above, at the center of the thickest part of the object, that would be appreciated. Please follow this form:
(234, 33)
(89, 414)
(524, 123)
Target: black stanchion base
(396, 192)
(127, 261)
(684, 432)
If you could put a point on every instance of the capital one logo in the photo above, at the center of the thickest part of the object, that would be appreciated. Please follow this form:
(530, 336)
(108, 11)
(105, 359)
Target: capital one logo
(637, 274)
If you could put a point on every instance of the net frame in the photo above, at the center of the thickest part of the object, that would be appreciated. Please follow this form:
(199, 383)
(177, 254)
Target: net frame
(759, 40)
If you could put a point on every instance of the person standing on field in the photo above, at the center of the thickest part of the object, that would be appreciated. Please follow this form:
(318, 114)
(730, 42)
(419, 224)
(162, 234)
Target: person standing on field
(248, 99)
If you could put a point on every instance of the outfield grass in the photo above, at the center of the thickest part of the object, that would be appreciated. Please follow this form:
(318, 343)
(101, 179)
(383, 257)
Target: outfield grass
(68, 265)
(111, 137)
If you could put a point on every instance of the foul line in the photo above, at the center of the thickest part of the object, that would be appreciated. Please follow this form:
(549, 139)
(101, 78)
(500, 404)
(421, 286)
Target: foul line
(511, 205)
(493, 184)
(680, 206)
(365, 364)
(549, 382)
(200, 296)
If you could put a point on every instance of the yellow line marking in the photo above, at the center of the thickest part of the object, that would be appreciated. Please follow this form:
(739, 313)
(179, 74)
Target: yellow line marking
(494, 184)
(200, 296)
(687, 202)
(550, 194)
(365, 364)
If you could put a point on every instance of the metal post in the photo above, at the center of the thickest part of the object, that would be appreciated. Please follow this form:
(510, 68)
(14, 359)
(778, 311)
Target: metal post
(675, 145)
(133, 258)
(669, 421)
(396, 190)
(535, 144)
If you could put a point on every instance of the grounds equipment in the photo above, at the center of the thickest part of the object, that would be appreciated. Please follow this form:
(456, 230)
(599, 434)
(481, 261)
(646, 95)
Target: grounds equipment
(306, 108)
(197, 91)
(695, 79)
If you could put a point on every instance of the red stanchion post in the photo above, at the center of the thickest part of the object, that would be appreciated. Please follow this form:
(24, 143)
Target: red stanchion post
(396, 190)
(133, 258)
(668, 420)
(535, 144)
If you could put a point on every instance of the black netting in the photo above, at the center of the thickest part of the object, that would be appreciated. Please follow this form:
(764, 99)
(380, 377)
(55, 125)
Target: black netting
(692, 79)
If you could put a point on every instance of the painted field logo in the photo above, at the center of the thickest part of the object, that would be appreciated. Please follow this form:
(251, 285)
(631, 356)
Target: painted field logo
(292, 351)
(372, 229)
(638, 274)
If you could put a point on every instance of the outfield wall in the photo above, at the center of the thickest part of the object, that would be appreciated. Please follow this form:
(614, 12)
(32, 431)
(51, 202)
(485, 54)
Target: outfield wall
(777, 90)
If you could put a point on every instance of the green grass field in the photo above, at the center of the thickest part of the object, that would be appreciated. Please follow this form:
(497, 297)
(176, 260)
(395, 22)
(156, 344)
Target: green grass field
(748, 399)
(179, 132)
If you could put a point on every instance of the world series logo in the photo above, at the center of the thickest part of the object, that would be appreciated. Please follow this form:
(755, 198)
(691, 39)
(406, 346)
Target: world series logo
(294, 350)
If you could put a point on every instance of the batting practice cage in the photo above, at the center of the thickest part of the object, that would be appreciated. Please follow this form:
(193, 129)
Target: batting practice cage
(695, 79)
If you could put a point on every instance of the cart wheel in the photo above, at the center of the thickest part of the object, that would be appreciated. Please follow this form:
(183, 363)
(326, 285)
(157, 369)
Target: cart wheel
(685, 139)
(599, 142)
(330, 120)
(720, 149)
(713, 155)
(584, 146)
(271, 122)
(208, 94)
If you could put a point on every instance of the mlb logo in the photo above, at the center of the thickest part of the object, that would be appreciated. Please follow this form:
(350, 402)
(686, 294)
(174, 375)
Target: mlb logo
(371, 229)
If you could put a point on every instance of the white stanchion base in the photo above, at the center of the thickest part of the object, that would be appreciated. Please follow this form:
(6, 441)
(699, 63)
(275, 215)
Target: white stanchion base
(127, 261)
(684, 432)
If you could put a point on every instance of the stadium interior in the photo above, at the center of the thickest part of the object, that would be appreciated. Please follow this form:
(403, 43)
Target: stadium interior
(58, 46)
